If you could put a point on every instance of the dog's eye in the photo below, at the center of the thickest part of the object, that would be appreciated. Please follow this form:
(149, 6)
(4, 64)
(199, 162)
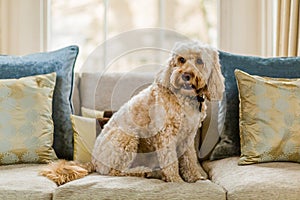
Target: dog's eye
(181, 60)
(199, 61)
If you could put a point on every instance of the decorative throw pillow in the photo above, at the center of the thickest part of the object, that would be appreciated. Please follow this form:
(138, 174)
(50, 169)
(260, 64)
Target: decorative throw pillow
(85, 132)
(62, 62)
(102, 116)
(86, 128)
(86, 112)
(26, 126)
(228, 119)
(269, 118)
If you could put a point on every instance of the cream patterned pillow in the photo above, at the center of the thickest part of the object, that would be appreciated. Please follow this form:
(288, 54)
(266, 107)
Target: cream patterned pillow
(269, 118)
(86, 112)
(26, 126)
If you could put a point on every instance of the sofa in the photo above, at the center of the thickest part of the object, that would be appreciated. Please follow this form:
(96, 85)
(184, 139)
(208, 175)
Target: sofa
(227, 177)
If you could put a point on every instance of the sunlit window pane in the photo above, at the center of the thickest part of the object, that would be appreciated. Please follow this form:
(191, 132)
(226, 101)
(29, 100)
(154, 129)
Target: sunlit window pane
(77, 22)
(131, 14)
(91, 23)
(195, 19)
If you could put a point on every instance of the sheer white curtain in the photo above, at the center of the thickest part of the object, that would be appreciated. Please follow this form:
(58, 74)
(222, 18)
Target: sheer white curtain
(22, 26)
(247, 27)
(288, 28)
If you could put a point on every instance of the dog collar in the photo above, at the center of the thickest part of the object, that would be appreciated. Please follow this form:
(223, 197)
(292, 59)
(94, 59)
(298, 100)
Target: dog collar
(200, 99)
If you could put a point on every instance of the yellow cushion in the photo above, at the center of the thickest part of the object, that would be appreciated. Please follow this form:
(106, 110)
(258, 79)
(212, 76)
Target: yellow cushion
(85, 133)
(90, 113)
(26, 126)
(269, 118)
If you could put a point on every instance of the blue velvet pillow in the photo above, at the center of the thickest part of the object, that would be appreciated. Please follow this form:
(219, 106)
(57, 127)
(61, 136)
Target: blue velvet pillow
(229, 144)
(62, 62)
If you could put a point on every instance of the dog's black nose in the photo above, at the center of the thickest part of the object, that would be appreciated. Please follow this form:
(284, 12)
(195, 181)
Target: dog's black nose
(186, 76)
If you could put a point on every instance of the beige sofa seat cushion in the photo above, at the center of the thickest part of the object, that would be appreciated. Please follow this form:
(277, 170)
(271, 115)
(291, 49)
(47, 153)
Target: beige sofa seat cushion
(274, 180)
(23, 182)
(96, 186)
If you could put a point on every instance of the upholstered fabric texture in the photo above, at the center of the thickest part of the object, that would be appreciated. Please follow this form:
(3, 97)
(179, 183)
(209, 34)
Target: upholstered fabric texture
(269, 118)
(62, 62)
(96, 186)
(85, 132)
(23, 181)
(26, 126)
(109, 91)
(229, 144)
(267, 181)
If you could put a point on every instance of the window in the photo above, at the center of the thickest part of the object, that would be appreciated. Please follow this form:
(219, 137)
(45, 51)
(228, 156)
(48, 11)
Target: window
(244, 27)
(105, 28)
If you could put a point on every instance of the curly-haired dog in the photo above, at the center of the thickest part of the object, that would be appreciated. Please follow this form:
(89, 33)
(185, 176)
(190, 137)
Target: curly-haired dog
(152, 135)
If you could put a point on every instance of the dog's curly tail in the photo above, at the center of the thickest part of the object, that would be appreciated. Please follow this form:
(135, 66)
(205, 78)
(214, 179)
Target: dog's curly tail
(63, 171)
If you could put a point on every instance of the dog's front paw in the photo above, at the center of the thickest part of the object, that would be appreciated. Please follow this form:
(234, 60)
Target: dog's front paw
(176, 179)
(202, 178)
(194, 179)
(202, 181)
(193, 176)
(203, 174)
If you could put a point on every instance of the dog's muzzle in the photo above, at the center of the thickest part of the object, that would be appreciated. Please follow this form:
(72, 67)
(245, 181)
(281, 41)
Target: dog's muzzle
(186, 77)
(188, 85)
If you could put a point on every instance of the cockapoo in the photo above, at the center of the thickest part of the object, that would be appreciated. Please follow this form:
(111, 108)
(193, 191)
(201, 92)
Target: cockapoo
(152, 135)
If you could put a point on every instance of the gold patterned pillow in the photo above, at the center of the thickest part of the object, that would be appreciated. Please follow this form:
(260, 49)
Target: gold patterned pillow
(269, 118)
(26, 126)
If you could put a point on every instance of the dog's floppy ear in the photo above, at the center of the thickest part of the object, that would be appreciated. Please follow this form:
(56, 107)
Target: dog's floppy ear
(163, 76)
(206, 93)
(172, 61)
(215, 83)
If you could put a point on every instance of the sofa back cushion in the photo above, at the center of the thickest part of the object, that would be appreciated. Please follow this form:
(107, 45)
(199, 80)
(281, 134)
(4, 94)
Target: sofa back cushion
(109, 91)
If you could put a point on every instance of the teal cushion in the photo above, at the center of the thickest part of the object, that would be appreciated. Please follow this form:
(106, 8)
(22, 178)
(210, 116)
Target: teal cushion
(62, 62)
(229, 144)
